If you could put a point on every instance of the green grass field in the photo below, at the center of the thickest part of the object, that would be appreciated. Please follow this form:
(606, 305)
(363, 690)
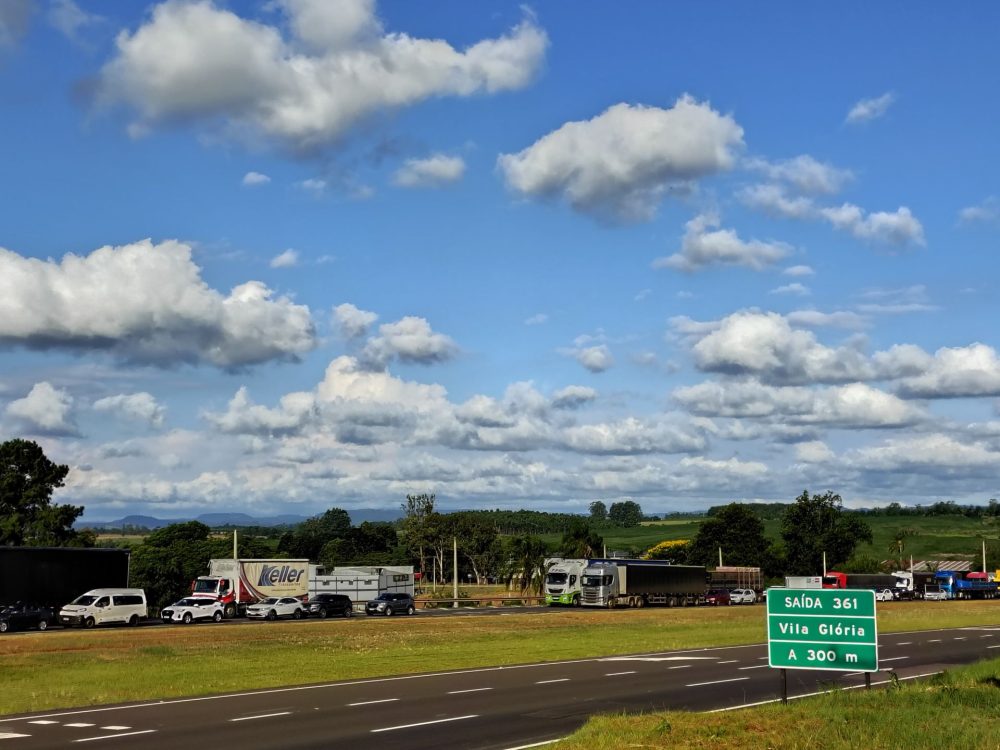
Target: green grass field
(66, 668)
(957, 710)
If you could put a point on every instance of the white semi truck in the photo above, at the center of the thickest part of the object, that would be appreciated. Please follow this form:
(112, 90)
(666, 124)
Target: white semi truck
(361, 583)
(239, 583)
(562, 581)
(636, 583)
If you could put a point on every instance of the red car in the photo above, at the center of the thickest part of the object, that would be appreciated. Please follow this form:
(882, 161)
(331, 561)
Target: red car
(717, 597)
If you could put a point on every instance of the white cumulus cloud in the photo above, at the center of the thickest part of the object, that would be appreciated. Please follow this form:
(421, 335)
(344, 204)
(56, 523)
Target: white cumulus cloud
(436, 170)
(804, 173)
(148, 304)
(194, 61)
(409, 339)
(286, 259)
(142, 407)
(252, 179)
(705, 245)
(620, 163)
(45, 411)
(352, 321)
(870, 109)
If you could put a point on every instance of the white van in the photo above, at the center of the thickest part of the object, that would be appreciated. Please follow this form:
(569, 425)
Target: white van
(105, 605)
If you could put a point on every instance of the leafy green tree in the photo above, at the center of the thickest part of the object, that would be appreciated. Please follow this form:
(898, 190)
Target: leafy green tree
(627, 514)
(598, 512)
(862, 563)
(416, 526)
(738, 530)
(479, 543)
(309, 537)
(580, 541)
(27, 516)
(818, 524)
(524, 566)
(370, 544)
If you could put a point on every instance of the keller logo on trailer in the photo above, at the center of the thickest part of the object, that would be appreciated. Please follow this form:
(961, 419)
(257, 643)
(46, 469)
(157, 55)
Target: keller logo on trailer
(274, 575)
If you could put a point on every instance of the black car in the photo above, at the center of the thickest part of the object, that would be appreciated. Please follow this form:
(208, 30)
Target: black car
(324, 605)
(389, 604)
(21, 616)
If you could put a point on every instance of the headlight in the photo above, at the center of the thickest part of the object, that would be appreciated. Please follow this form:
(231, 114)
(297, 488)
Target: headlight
(381, 605)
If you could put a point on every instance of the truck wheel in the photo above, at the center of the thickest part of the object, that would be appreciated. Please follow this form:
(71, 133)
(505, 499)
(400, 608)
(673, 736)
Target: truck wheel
(217, 616)
(576, 600)
(43, 624)
(89, 622)
(230, 611)
(640, 602)
(187, 618)
(612, 603)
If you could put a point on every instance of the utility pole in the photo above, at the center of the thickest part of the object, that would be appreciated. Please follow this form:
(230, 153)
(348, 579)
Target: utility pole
(824, 563)
(454, 568)
(984, 555)
(720, 556)
(235, 556)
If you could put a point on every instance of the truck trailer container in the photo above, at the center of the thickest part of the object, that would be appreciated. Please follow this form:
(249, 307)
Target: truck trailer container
(968, 586)
(636, 583)
(239, 583)
(803, 582)
(562, 581)
(361, 583)
(53, 576)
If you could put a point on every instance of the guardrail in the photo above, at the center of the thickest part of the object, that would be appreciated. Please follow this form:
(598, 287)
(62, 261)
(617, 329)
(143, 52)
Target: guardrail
(476, 601)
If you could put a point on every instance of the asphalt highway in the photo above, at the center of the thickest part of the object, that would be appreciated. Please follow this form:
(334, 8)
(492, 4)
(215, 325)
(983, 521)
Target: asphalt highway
(495, 708)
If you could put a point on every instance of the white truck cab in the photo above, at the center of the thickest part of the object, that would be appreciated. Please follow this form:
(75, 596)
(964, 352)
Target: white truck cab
(102, 606)
(562, 581)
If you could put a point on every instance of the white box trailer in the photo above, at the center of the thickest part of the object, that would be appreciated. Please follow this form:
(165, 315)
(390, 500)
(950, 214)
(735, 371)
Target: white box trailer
(361, 583)
(803, 582)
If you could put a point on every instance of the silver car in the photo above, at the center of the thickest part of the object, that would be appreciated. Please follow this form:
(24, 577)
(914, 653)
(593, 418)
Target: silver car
(743, 596)
(272, 608)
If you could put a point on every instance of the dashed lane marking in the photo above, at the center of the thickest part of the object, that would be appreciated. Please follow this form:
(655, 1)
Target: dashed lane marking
(730, 661)
(43, 721)
(934, 640)
(78, 725)
(895, 658)
(904, 643)
(755, 666)
(549, 682)
(11, 735)
(113, 736)
(993, 647)
(424, 723)
(468, 690)
(618, 674)
(717, 682)
(250, 718)
(680, 666)
(371, 703)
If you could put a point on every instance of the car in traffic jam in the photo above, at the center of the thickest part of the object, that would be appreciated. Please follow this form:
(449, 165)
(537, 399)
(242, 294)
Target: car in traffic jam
(388, 604)
(193, 608)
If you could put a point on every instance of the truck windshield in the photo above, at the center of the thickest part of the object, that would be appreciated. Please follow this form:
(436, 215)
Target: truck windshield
(202, 586)
(556, 578)
(596, 581)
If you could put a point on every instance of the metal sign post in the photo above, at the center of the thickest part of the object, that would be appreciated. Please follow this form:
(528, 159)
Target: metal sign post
(830, 629)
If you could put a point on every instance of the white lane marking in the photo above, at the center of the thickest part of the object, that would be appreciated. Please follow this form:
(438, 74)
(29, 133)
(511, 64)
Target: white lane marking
(370, 703)
(761, 658)
(617, 674)
(42, 721)
(11, 735)
(115, 728)
(934, 640)
(993, 647)
(905, 643)
(730, 661)
(251, 718)
(470, 690)
(78, 725)
(659, 658)
(755, 666)
(717, 682)
(536, 744)
(810, 695)
(549, 682)
(423, 723)
(855, 674)
(959, 639)
(112, 736)
(680, 666)
(989, 635)
(895, 658)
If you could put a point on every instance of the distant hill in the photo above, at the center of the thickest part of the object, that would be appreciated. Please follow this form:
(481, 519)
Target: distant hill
(215, 520)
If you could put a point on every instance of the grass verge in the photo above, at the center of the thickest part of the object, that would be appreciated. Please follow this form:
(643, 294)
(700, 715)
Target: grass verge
(955, 710)
(76, 668)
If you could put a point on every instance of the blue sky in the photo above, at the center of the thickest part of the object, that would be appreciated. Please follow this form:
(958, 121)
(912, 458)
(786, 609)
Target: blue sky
(273, 257)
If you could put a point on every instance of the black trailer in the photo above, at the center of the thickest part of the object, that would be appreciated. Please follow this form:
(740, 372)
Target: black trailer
(54, 576)
(871, 581)
(658, 582)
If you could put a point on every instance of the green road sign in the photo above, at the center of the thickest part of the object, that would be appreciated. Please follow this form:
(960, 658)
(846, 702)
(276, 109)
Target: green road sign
(822, 629)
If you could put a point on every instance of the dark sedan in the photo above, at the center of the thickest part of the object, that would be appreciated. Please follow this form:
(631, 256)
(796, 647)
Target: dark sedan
(325, 605)
(21, 616)
(389, 604)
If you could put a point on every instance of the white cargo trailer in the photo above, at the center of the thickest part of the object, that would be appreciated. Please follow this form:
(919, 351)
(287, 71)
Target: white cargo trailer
(362, 583)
